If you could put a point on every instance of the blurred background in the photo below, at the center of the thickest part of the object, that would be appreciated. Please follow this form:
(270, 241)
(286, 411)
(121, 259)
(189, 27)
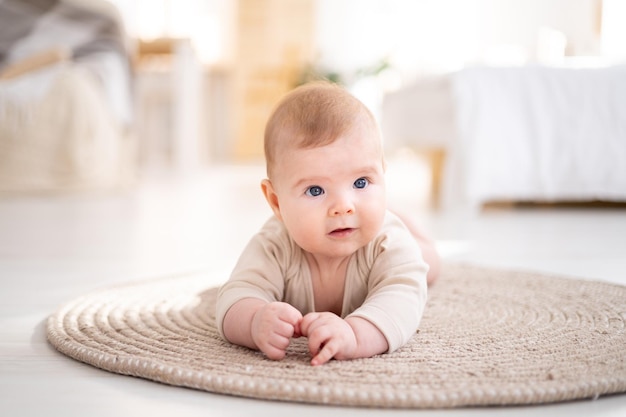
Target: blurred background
(187, 84)
(249, 53)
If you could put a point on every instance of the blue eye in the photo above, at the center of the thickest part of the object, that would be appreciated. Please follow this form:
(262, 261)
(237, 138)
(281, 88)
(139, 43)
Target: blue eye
(314, 191)
(361, 183)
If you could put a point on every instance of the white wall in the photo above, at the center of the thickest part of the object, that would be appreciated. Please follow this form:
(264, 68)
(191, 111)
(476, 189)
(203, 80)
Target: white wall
(440, 35)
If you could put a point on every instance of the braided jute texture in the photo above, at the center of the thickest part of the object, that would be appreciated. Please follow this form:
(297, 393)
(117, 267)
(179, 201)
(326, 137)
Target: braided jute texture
(488, 337)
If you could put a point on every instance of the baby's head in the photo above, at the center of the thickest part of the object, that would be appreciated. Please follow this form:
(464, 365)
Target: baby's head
(314, 115)
(325, 170)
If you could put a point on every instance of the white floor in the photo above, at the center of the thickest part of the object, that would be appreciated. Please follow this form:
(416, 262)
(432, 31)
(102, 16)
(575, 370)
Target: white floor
(53, 249)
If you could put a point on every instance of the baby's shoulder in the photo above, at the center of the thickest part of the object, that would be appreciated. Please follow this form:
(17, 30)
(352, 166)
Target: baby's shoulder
(393, 231)
(274, 240)
(393, 238)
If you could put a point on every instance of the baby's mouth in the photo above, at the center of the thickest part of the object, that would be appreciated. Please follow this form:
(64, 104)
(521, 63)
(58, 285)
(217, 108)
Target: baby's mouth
(341, 232)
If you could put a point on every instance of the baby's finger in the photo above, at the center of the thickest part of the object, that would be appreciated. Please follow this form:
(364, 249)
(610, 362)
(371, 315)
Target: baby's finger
(297, 332)
(325, 354)
(307, 321)
(274, 353)
(276, 348)
(318, 337)
(284, 329)
(289, 314)
(291, 317)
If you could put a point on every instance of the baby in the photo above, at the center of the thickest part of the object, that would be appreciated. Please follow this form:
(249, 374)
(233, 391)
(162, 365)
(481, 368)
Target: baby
(332, 264)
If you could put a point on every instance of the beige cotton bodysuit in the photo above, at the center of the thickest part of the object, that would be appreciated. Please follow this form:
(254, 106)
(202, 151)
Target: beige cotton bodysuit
(385, 280)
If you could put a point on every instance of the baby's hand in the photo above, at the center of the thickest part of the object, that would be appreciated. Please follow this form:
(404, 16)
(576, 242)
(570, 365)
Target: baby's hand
(273, 326)
(330, 336)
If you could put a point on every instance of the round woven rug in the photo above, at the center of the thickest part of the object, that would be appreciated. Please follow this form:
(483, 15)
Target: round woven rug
(488, 337)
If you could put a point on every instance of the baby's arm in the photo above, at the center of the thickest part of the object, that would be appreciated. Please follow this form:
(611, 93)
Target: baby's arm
(330, 336)
(260, 325)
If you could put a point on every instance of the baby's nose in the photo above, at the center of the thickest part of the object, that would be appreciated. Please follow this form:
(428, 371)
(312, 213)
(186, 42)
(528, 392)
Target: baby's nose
(341, 207)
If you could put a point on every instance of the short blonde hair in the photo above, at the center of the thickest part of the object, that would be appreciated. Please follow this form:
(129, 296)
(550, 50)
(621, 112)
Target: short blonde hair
(313, 115)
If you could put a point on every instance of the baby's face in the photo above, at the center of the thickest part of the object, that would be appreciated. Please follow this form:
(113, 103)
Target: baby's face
(332, 198)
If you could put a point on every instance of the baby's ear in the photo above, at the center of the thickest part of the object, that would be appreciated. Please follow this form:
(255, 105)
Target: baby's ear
(271, 197)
